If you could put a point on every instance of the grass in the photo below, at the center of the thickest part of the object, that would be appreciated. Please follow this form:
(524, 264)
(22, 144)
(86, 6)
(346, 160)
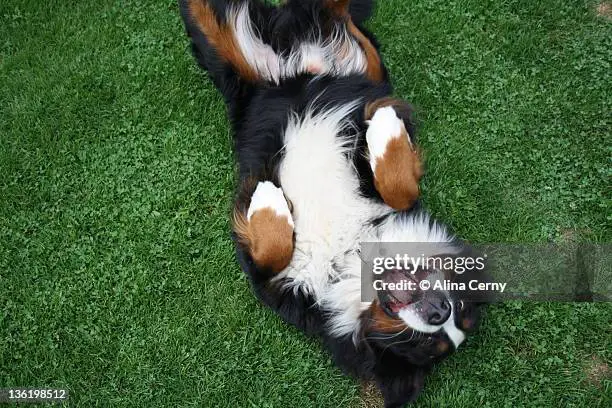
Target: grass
(117, 274)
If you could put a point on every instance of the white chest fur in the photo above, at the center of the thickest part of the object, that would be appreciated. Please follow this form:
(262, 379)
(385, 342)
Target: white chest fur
(330, 215)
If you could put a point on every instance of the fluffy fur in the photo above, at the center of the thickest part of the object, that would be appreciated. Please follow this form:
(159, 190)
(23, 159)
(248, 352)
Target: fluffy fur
(300, 119)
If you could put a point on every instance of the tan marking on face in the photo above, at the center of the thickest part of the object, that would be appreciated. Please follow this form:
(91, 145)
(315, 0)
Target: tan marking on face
(442, 347)
(221, 38)
(382, 322)
(269, 238)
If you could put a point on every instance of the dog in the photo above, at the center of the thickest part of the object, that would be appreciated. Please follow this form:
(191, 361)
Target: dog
(327, 161)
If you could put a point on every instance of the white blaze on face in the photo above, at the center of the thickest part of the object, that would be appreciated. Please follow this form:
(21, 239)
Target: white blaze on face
(413, 320)
(383, 127)
(267, 195)
(456, 335)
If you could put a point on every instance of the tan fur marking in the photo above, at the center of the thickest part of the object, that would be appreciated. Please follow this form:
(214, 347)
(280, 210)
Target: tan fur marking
(221, 38)
(399, 171)
(442, 347)
(268, 237)
(382, 322)
(374, 70)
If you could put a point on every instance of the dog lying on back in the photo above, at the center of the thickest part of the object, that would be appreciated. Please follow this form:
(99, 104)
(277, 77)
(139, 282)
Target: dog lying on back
(327, 160)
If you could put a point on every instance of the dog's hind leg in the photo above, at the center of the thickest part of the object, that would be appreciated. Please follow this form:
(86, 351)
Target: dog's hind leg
(353, 12)
(394, 159)
(264, 226)
(227, 33)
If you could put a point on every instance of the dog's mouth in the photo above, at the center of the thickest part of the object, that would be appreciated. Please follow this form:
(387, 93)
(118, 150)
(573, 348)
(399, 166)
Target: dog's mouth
(400, 289)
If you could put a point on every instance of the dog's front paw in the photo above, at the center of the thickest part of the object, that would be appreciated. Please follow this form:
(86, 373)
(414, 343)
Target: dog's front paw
(393, 158)
(267, 228)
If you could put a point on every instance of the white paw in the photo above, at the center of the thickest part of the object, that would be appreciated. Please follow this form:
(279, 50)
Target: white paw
(267, 195)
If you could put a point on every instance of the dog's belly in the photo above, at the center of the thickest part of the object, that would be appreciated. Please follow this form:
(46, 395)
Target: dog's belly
(330, 215)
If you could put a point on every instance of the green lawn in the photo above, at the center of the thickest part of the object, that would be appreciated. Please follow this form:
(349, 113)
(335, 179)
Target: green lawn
(117, 273)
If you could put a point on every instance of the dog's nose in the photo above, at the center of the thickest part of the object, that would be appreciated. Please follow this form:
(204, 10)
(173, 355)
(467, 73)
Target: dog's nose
(438, 311)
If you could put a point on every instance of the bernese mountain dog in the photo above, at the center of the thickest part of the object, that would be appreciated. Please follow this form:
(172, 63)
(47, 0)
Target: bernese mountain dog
(328, 161)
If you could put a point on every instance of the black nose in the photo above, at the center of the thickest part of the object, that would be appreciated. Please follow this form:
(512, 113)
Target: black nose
(438, 312)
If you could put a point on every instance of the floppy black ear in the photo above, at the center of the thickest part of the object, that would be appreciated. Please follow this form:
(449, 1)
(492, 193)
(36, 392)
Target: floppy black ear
(401, 390)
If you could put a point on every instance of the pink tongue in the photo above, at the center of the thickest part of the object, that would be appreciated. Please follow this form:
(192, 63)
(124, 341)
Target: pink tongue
(396, 307)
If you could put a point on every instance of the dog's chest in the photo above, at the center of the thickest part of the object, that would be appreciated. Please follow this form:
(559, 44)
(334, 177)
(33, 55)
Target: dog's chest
(330, 215)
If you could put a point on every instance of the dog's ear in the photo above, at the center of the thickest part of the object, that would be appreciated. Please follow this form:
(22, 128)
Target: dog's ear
(401, 389)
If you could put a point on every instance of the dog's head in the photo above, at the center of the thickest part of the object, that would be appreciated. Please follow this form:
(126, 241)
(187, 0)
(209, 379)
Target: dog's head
(422, 314)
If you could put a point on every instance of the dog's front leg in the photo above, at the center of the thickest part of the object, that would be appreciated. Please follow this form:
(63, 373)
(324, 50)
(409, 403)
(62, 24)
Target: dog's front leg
(264, 226)
(394, 159)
